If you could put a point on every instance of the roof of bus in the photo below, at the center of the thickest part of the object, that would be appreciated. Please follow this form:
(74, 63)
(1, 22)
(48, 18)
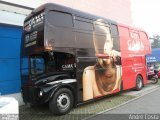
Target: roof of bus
(131, 27)
(53, 6)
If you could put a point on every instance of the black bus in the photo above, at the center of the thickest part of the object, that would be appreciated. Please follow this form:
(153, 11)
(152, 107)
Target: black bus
(65, 59)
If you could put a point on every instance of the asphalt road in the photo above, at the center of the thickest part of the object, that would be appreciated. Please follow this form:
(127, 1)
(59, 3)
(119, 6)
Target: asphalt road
(146, 107)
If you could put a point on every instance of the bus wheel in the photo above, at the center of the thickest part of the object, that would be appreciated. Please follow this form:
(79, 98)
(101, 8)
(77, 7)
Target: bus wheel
(62, 102)
(139, 83)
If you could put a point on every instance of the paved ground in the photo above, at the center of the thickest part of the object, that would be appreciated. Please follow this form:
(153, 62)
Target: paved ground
(146, 107)
(84, 111)
(149, 103)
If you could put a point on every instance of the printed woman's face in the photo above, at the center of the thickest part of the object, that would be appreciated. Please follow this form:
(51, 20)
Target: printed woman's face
(108, 77)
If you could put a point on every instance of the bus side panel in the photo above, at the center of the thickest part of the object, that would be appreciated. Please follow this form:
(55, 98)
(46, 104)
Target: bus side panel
(128, 75)
(134, 46)
(98, 70)
(85, 52)
(145, 40)
(140, 67)
(147, 49)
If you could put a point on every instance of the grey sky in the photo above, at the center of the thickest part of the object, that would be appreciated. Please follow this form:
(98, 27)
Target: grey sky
(145, 14)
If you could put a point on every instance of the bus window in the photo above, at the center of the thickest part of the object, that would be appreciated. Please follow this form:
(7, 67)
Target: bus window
(115, 36)
(37, 65)
(51, 66)
(84, 34)
(114, 30)
(101, 36)
(101, 28)
(83, 25)
(60, 19)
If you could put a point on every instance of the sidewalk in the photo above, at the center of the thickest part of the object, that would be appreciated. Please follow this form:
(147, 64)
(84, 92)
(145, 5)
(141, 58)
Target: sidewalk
(145, 90)
(86, 110)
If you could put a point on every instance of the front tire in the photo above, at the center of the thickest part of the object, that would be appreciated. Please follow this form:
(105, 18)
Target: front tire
(139, 83)
(62, 102)
(154, 80)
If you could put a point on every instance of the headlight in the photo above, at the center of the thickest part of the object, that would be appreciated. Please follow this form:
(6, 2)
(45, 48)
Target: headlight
(41, 93)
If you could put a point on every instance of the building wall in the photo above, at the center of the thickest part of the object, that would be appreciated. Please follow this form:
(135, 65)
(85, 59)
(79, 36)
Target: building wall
(12, 14)
(119, 10)
(10, 39)
(11, 22)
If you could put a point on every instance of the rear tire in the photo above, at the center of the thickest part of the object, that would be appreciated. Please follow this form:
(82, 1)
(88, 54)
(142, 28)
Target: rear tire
(62, 102)
(139, 83)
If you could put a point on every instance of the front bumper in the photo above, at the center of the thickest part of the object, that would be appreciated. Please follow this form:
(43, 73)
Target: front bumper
(37, 95)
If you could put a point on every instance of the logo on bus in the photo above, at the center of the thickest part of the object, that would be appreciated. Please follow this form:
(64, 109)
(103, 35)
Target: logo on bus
(134, 44)
(33, 22)
(68, 66)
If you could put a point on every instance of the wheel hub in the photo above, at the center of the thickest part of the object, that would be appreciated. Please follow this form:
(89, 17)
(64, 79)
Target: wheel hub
(139, 83)
(63, 101)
